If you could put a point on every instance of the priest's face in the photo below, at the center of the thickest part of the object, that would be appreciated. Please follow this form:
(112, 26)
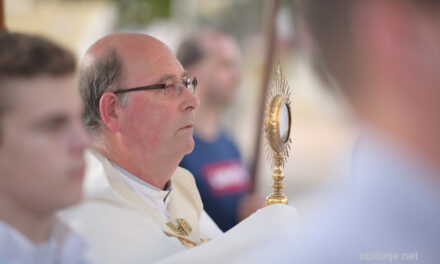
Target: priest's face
(156, 124)
(42, 143)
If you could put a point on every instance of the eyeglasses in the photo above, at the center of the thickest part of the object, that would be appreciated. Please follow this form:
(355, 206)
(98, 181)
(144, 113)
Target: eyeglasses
(170, 87)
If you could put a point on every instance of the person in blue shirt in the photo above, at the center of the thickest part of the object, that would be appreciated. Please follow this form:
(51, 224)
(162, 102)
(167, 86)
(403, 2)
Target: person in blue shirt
(222, 178)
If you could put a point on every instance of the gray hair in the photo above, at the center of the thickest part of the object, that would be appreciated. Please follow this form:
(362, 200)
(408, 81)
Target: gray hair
(105, 74)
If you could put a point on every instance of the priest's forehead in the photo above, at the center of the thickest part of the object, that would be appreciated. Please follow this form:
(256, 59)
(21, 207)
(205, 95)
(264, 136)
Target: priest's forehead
(149, 66)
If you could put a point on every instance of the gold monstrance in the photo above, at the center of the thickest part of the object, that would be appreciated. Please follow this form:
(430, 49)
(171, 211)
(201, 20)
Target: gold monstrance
(277, 128)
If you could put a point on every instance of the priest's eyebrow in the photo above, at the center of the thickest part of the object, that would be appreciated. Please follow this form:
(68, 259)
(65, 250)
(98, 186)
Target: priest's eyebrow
(170, 76)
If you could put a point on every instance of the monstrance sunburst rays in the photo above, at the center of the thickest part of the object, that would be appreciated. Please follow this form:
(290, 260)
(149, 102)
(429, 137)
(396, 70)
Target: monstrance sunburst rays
(277, 86)
(277, 129)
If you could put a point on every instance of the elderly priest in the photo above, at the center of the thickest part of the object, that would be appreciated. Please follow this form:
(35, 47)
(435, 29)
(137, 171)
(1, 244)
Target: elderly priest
(139, 206)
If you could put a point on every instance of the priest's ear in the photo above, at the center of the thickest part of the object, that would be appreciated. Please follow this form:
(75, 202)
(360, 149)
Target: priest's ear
(108, 108)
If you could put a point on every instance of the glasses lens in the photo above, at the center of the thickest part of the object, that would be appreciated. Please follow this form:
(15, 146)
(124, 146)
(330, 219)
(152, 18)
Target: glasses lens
(175, 85)
(191, 83)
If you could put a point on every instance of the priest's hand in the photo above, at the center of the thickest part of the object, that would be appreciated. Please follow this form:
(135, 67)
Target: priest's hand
(249, 205)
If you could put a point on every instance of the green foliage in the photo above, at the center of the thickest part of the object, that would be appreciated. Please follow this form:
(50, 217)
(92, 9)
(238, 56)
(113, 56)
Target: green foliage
(138, 13)
(134, 13)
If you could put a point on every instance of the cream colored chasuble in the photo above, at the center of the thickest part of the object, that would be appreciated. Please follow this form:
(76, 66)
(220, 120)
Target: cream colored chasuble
(184, 206)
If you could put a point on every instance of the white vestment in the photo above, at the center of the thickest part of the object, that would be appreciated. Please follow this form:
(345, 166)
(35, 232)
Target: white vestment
(390, 214)
(250, 241)
(121, 226)
(63, 247)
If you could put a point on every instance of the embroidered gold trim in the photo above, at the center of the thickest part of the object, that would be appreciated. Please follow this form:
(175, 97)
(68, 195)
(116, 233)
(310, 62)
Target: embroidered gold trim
(186, 242)
(183, 228)
(204, 240)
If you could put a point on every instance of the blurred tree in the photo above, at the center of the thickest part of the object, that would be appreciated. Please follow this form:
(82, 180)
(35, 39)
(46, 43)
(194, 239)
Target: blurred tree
(138, 13)
(135, 13)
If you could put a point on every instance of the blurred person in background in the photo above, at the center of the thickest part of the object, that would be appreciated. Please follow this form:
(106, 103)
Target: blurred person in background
(140, 206)
(384, 56)
(42, 143)
(221, 176)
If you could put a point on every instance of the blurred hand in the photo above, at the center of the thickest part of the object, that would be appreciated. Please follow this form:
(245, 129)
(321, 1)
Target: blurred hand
(249, 205)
